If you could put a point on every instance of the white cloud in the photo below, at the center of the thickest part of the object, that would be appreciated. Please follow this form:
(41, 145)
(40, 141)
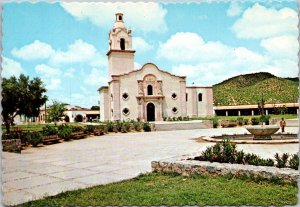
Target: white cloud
(96, 77)
(79, 51)
(11, 68)
(53, 84)
(47, 71)
(234, 9)
(69, 72)
(147, 18)
(189, 47)
(77, 96)
(98, 61)
(140, 44)
(34, 51)
(261, 22)
(282, 46)
(211, 62)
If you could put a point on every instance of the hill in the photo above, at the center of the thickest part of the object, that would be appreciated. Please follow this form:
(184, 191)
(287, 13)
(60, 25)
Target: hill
(247, 89)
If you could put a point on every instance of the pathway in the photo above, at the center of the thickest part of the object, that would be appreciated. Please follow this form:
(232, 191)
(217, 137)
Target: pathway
(49, 170)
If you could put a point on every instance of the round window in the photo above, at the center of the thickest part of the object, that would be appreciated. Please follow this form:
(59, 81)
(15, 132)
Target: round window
(174, 95)
(126, 111)
(174, 110)
(125, 96)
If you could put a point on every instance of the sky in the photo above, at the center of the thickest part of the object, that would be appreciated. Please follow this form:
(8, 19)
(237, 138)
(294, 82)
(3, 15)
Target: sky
(65, 44)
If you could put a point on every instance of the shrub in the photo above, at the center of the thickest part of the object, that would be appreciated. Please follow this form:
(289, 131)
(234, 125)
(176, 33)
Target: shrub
(110, 126)
(246, 121)
(240, 157)
(281, 160)
(124, 129)
(240, 121)
(229, 151)
(137, 126)
(165, 118)
(174, 118)
(76, 128)
(146, 127)
(65, 132)
(118, 126)
(254, 121)
(49, 130)
(186, 118)
(294, 162)
(226, 152)
(215, 122)
(251, 159)
(105, 129)
(265, 119)
(89, 128)
(34, 138)
(126, 125)
(268, 162)
(180, 118)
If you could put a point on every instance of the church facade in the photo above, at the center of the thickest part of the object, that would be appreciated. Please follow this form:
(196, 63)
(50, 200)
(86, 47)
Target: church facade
(148, 93)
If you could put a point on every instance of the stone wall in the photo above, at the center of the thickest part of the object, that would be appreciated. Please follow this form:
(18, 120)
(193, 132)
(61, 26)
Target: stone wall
(188, 167)
(12, 145)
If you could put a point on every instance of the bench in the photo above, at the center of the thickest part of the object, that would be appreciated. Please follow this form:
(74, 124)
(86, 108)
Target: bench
(98, 132)
(78, 135)
(50, 138)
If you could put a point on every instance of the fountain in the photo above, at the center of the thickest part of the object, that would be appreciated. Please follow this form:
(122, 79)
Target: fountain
(262, 132)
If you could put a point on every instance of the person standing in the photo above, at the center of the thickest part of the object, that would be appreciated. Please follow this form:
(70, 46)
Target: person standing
(282, 124)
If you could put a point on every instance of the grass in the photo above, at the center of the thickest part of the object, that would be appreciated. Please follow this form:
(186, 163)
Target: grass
(169, 189)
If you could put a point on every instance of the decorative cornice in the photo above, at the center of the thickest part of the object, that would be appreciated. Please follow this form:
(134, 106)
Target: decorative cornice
(163, 71)
(119, 51)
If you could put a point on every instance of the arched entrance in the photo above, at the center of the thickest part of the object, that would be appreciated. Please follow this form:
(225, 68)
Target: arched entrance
(78, 118)
(67, 119)
(150, 112)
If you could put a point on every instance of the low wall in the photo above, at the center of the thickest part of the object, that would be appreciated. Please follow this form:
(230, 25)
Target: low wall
(12, 145)
(183, 125)
(188, 167)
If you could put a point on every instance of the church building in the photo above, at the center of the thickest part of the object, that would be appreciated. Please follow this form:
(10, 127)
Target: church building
(148, 93)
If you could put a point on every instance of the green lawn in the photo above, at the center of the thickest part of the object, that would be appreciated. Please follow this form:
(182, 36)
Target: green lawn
(167, 189)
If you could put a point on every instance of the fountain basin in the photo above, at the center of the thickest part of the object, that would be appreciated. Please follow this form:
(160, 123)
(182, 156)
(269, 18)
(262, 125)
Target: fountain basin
(262, 132)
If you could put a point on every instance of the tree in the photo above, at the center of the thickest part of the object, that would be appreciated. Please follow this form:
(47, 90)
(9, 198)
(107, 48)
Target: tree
(95, 108)
(56, 112)
(21, 97)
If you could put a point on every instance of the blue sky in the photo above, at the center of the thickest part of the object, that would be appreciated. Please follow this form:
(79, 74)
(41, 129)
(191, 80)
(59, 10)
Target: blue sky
(65, 44)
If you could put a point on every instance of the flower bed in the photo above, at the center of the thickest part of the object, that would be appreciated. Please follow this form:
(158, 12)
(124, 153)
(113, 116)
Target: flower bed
(187, 167)
(223, 159)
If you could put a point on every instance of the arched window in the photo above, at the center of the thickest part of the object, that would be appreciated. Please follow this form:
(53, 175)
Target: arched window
(122, 43)
(200, 97)
(149, 90)
(186, 96)
(120, 18)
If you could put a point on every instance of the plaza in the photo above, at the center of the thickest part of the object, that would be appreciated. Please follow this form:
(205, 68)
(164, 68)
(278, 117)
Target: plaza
(45, 171)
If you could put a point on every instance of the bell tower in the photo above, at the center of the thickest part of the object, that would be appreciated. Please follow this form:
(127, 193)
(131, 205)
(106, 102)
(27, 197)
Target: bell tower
(120, 54)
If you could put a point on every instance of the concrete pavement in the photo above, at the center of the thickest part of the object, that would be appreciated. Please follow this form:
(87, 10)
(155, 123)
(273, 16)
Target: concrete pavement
(52, 169)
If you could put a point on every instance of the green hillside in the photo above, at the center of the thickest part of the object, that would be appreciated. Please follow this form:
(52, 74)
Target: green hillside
(248, 89)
